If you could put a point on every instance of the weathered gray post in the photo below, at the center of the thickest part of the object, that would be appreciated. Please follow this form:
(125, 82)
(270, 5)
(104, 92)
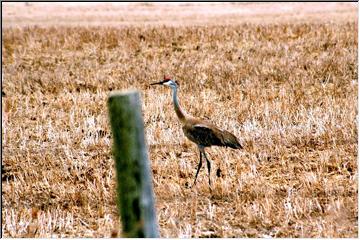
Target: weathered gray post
(134, 180)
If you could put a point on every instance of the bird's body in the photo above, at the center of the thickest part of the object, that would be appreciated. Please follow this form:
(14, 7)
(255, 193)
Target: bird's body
(207, 134)
(203, 133)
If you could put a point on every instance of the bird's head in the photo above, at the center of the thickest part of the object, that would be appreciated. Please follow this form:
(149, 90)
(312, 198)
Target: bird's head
(167, 82)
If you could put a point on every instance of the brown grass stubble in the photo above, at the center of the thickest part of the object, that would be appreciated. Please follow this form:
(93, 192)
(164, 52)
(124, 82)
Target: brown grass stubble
(288, 91)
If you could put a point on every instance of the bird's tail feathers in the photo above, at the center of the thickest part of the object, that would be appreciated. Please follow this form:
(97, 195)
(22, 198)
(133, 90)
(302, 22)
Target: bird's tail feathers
(231, 141)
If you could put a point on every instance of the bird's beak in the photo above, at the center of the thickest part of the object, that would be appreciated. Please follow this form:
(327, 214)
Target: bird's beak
(157, 83)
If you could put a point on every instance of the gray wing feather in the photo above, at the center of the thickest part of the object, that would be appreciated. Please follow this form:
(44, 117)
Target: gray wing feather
(204, 135)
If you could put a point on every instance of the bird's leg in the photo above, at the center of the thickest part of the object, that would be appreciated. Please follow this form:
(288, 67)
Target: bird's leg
(198, 169)
(208, 166)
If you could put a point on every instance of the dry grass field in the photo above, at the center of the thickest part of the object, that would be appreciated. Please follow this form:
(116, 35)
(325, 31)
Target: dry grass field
(283, 81)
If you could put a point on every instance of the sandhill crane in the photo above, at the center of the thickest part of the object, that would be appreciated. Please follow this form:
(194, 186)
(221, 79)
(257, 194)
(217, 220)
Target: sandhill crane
(201, 132)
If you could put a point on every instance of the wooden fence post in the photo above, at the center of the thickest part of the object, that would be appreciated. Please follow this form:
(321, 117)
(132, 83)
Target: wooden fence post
(134, 179)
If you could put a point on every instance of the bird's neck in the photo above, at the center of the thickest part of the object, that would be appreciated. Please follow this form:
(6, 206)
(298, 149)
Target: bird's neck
(179, 112)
